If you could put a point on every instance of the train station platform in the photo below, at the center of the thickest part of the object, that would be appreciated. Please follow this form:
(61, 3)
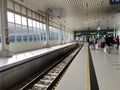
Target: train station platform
(25, 56)
(104, 74)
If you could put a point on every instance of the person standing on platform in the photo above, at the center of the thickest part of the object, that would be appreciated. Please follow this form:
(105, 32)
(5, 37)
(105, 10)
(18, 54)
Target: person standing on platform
(117, 42)
(108, 43)
(88, 40)
(102, 41)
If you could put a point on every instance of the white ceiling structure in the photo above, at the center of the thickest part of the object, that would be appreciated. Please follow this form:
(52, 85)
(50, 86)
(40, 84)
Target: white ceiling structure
(80, 14)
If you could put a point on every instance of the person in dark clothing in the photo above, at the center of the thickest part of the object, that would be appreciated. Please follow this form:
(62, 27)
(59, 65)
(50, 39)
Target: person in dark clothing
(112, 39)
(108, 42)
(88, 40)
(117, 42)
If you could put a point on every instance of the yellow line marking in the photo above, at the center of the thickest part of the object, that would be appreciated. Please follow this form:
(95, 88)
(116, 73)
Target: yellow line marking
(87, 73)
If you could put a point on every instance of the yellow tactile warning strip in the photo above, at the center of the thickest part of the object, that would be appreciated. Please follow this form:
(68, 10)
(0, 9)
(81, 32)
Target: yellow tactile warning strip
(87, 73)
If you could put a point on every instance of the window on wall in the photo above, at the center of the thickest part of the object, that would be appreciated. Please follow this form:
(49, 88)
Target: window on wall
(24, 24)
(18, 28)
(11, 26)
(50, 33)
(24, 28)
(42, 34)
(34, 30)
(67, 36)
(38, 31)
(10, 17)
(54, 33)
(30, 26)
(44, 31)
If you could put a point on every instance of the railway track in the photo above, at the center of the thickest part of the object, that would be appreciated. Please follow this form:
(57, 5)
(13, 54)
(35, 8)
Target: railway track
(47, 81)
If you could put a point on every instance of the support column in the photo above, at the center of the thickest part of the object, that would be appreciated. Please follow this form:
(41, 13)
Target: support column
(61, 37)
(47, 31)
(4, 29)
(114, 32)
(64, 39)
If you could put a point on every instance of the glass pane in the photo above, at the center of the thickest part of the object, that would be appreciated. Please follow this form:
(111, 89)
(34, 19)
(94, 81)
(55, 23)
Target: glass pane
(17, 19)
(30, 38)
(24, 21)
(18, 28)
(25, 33)
(38, 25)
(10, 17)
(25, 38)
(31, 30)
(11, 28)
(34, 23)
(42, 35)
(41, 26)
(44, 26)
(12, 38)
(30, 22)
(35, 38)
(19, 38)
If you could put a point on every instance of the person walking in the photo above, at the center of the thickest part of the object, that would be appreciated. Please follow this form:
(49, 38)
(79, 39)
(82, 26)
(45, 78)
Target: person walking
(108, 43)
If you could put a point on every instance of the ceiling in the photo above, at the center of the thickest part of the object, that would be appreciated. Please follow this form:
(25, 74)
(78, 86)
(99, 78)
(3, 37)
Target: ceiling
(80, 14)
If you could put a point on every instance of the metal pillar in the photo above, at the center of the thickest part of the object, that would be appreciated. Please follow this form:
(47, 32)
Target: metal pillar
(47, 31)
(114, 32)
(4, 29)
(64, 37)
(61, 37)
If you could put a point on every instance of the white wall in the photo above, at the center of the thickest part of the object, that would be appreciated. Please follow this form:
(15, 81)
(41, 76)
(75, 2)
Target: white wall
(54, 43)
(22, 47)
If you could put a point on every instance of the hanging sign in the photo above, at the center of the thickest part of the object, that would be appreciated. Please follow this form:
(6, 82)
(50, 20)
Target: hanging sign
(114, 2)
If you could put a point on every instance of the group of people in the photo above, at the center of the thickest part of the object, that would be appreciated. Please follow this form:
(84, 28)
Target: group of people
(105, 41)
